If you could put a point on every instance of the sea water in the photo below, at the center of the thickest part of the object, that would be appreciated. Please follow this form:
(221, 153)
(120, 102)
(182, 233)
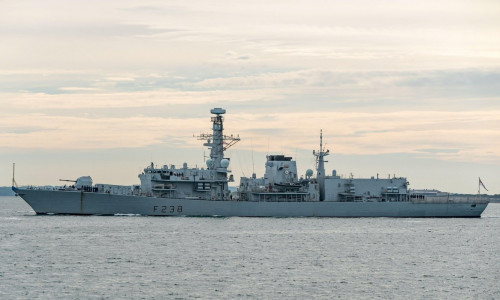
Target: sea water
(138, 257)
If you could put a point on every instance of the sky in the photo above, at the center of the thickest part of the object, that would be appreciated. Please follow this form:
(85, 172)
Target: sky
(399, 88)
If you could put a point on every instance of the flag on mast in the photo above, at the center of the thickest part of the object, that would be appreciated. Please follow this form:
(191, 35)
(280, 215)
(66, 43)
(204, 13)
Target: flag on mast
(482, 184)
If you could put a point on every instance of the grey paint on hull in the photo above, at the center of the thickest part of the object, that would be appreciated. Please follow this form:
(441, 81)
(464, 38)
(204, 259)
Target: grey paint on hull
(82, 203)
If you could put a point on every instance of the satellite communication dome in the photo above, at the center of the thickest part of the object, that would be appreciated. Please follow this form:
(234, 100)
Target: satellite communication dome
(224, 163)
(209, 163)
(309, 173)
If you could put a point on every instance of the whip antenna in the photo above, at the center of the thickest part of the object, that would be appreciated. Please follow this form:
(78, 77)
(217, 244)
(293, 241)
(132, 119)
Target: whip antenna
(14, 183)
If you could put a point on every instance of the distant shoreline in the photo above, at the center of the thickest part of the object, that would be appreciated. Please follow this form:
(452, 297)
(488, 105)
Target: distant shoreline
(6, 191)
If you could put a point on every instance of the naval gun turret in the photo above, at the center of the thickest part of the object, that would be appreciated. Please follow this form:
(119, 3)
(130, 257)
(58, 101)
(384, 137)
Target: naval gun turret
(80, 182)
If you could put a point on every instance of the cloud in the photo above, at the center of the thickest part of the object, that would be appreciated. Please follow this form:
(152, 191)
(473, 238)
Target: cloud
(439, 151)
(458, 82)
(78, 89)
(362, 112)
(335, 35)
(58, 132)
(79, 102)
(81, 30)
(77, 120)
(474, 133)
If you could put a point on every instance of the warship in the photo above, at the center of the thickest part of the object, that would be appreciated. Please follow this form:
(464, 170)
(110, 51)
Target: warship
(281, 192)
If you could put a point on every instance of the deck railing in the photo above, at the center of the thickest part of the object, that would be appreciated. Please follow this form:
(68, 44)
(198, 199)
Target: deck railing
(452, 199)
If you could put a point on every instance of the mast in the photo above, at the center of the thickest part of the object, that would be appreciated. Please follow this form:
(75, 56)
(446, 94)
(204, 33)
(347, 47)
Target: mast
(217, 141)
(479, 189)
(480, 183)
(217, 145)
(320, 166)
(14, 183)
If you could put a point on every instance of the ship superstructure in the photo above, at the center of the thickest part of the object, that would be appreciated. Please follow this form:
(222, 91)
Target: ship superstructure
(210, 183)
(279, 184)
(281, 192)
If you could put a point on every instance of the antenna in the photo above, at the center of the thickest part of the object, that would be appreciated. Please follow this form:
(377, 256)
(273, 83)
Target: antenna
(253, 163)
(14, 183)
(320, 166)
(268, 142)
(321, 153)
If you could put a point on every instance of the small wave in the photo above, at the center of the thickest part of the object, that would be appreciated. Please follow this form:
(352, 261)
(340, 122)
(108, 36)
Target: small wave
(11, 218)
(128, 215)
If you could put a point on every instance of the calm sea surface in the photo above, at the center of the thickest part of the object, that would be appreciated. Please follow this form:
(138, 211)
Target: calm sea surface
(139, 257)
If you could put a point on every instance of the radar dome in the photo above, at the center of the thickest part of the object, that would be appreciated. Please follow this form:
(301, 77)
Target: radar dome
(309, 173)
(224, 163)
(209, 163)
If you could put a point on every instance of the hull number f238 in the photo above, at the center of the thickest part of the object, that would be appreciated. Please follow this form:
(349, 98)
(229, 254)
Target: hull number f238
(166, 209)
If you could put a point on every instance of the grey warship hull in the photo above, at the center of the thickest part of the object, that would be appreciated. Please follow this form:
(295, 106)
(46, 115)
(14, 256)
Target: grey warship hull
(89, 203)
